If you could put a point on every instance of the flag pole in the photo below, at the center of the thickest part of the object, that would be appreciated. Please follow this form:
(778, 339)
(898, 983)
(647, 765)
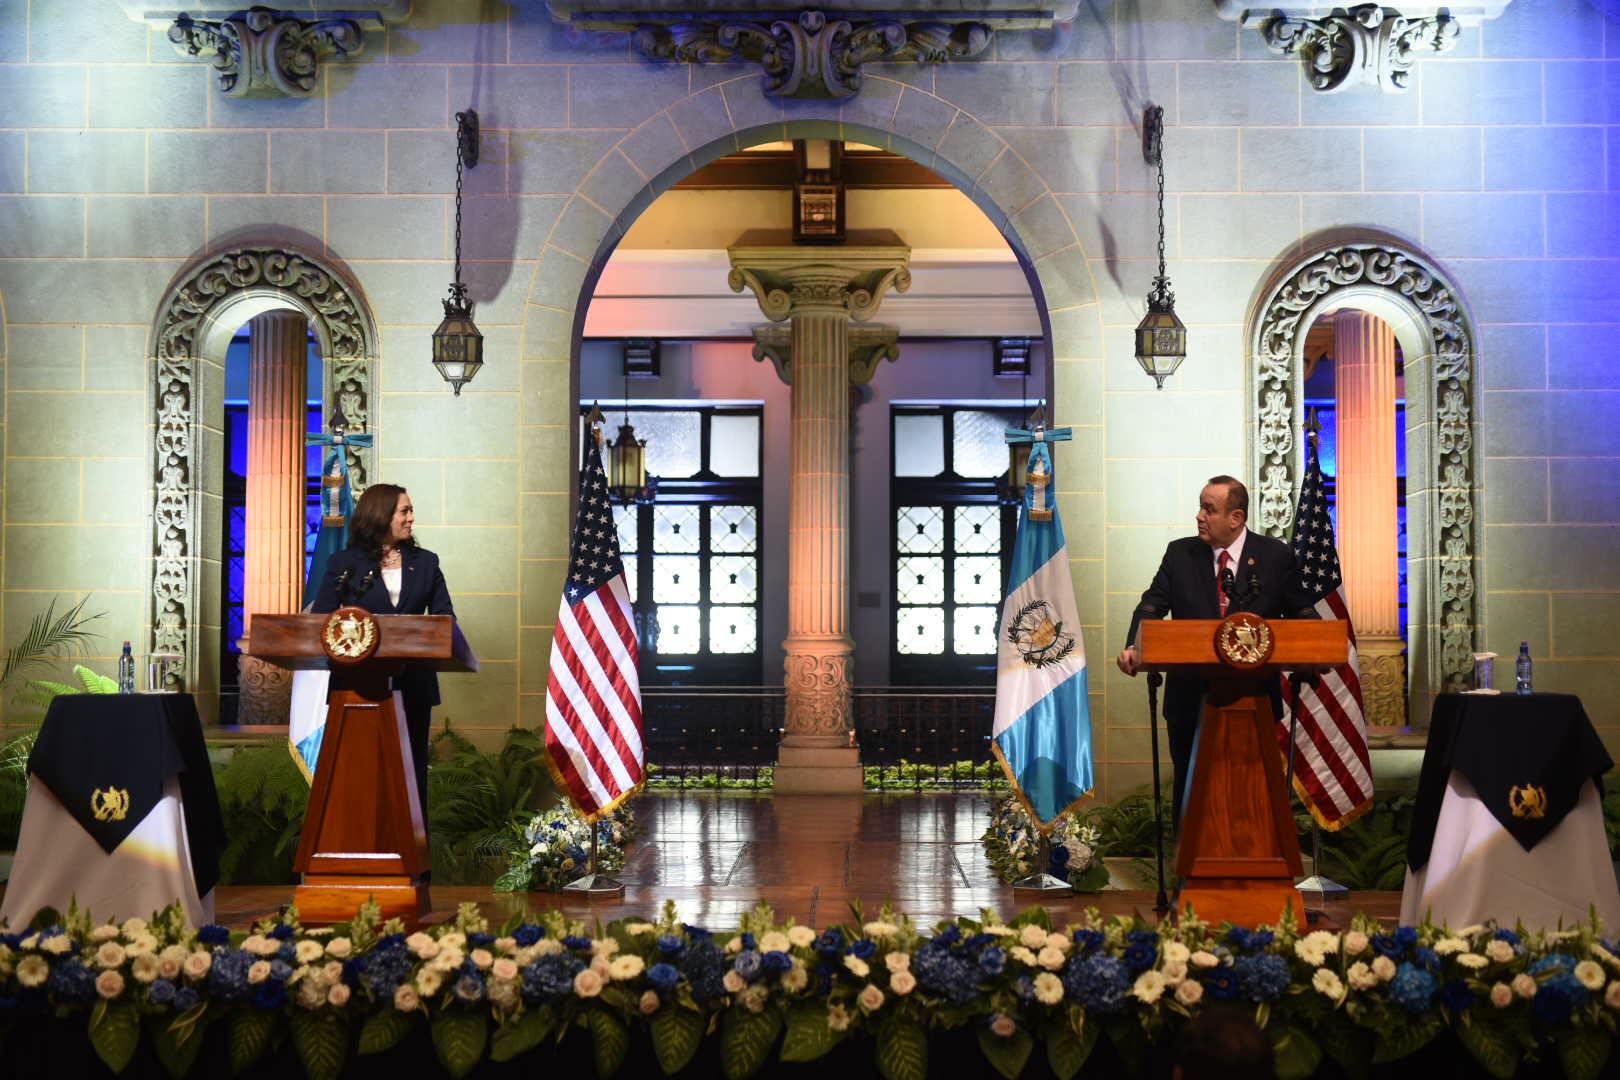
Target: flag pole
(1161, 901)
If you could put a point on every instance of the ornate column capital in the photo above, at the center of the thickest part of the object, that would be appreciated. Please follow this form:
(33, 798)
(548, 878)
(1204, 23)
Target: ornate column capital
(1364, 45)
(868, 346)
(265, 53)
(847, 279)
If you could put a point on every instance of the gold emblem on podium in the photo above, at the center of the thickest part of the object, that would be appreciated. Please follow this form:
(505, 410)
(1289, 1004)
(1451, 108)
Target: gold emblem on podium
(1529, 801)
(111, 804)
(350, 635)
(1243, 640)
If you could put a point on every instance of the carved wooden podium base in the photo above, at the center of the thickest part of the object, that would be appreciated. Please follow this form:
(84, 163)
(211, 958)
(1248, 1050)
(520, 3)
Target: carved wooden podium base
(1239, 855)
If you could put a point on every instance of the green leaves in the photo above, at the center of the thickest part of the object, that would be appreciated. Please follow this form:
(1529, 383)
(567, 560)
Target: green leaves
(1009, 1054)
(902, 1051)
(1067, 1048)
(1348, 1045)
(322, 1041)
(248, 1035)
(1583, 1051)
(808, 1036)
(177, 1041)
(1492, 1046)
(676, 1035)
(459, 1036)
(746, 1039)
(610, 1041)
(115, 1032)
(384, 1030)
(519, 1036)
(1403, 1037)
(1297, 1054)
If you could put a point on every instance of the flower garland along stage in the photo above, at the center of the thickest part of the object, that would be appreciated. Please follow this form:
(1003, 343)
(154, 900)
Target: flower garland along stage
(791, 993)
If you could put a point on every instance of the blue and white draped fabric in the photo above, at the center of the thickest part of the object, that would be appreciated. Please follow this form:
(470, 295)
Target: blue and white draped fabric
(1042, 732)
(307, 720)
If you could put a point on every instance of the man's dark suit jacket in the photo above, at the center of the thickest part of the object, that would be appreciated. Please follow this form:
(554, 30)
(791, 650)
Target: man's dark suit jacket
(422, 591)
(1267, 583)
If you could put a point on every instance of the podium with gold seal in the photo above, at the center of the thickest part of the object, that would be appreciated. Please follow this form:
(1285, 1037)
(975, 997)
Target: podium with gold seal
(1239, 853)
(364, 833)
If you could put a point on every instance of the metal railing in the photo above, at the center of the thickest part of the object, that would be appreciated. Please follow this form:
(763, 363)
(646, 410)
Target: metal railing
(723, 737)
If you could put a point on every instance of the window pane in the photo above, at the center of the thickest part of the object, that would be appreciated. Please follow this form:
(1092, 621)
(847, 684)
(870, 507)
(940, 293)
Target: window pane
(978, 580)
(733, 579)
(675, 579)
(979, 444)
(978, 530)
(920, 581)
(624, 520)
(630, 580)
(920, 630)
(922, 529)
(733, 630)
(677, 630)
(733, 528)
(919, 445)
(734, 445)
(973, 630)
(675, 528)
(674, 440)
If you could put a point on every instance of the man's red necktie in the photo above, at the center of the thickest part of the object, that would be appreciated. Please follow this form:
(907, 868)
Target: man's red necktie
(1220, 580)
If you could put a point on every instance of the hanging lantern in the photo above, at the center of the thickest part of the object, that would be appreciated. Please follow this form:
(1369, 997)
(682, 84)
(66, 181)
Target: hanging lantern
(627, 469)
(1161, 337)
(458, 347)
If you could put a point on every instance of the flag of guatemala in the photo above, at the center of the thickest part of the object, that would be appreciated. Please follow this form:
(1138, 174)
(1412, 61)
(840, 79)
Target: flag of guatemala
(1042, 732)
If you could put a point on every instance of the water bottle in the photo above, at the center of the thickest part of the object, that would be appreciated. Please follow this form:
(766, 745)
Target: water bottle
(1521, 670)
(126, 671)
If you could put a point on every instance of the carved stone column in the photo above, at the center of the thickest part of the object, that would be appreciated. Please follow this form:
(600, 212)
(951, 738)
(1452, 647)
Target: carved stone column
(273, 571)
(819, 289)
(1364, 393)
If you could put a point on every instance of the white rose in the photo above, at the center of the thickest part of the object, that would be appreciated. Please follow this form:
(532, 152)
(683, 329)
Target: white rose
(1176, 953)
(1174, 973)
(1472, 960)
(482, 959)
(197, 964)
(310, 993)
(332, 971)
(1361, 976)
(1060, 941)
(258, 971)
(733, 982)
(1327, 984)
(1048, 988)
(307, 952)
(259, 945)
(802, 937)
(505, 969)
(1611, 996)
(1032, 936)
(109, 984)
(870, 999)
(340, 947)
(856, 966)
(734, 946)
(455, 939)
(169, 967)
(904, 982)
(897, 961)
(587, 984)
(506, 946)
(134, 927)
(1499, 951)
(1502, 995)
(1149, 987)
(1050, 958)
(110, 955)
(775, 941)
(1589, 974)
(338, 996)
(1205, 959)
(624, 967)
(1189, 992)
(1384, 968)
(1524, 985)
(423, 946)
(649, 1002)
(405, 998)
(1355, 943)
(103, 933)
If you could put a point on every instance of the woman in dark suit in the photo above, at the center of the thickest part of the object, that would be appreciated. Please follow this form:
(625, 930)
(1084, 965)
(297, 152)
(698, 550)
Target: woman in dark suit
(386, 572)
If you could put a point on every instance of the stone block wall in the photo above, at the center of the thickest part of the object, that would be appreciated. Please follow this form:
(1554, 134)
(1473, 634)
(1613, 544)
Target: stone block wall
(119, 163)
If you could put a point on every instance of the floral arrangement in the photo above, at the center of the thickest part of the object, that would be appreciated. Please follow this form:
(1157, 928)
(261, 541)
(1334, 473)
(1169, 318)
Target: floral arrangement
(556, 847)
(1359, 998)
(1012, 844)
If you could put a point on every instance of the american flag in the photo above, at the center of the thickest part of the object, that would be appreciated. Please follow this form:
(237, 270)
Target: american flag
(593, 695)
(1332, 772)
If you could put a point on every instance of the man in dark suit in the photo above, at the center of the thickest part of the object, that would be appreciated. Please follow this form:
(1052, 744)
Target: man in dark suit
(1225, 568)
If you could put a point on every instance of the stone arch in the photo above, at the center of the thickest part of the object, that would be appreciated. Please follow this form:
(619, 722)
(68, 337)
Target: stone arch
(1406, 289)
(199, 314)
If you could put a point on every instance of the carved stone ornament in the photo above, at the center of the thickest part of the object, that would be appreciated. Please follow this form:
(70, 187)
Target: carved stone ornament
(868, 346)
(265, 53)
(1364, 45)
(200, 297)
(812, 56)
(818, 695)
(1326, 280)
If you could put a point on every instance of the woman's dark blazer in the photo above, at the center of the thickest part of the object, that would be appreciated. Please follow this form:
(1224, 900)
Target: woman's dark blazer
(422, 591)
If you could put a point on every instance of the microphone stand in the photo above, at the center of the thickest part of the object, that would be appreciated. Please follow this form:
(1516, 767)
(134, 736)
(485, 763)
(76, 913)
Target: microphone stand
(1161, 902)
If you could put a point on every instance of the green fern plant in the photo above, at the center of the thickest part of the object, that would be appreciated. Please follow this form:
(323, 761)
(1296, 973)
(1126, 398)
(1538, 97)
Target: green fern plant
(1126, 827)
(1370, 852)
(263, 796)
(478, 803)
(42, 691)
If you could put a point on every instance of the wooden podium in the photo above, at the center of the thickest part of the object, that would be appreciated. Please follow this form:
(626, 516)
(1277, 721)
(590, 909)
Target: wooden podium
(1239, 853)
(364, 834)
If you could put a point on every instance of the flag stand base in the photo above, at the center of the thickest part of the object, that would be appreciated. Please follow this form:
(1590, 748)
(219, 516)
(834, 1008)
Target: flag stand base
(1041, 883)
(595, 886)
(1327, 887)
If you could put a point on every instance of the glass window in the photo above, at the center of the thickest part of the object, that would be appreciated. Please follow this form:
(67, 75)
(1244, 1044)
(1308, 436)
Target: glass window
(677, 579)
(978, 579)
(732, 579)
(733, 630)
(978, 528)
(978, 444)
(678, 629)
(734, 445)
(919, 445)
(921, 631)
(921, 529)
(733, 528)
(674, 440)
(973, 630)
(675, 528)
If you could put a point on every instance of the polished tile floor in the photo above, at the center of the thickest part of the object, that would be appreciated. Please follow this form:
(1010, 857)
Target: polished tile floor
(809, 857)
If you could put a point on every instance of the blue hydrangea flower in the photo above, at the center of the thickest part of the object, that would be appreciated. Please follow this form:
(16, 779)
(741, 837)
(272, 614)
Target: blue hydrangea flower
(528, 934)
(1100, 983)
(1413, 988)
(1508, 936)
(704, 967)
(991, 961)
(1406, 936)
(748, 940)
(279, 970)
(663, 976)
(1263, 977)
(748, 965)
(1427, 959)
(270, 994)
(1456, 997)
(550, 977)
(71, 981)
(227, 975)
(949, 936)
(1553, 962)
(213, 934)
(287, 954)
(1251, 940)
(1557, 998)
(943, 972)
(1024, 987)
(185, 999)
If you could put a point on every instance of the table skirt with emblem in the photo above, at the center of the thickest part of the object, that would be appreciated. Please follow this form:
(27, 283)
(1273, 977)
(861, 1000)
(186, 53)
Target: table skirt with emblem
(58, 862)
(1477, 871)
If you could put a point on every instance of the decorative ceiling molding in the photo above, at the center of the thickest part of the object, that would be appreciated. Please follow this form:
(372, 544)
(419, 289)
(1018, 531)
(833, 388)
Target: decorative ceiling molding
(812, 53)
(1364, 45)
(264, 53)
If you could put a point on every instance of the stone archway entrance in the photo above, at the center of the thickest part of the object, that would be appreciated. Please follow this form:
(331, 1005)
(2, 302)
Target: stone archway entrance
(195, 322)
(1422, 306)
